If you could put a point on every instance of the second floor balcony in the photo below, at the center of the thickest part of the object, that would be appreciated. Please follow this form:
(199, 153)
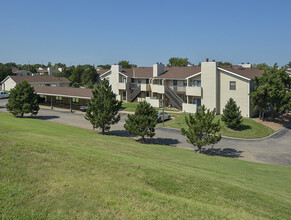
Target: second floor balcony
(193, 90)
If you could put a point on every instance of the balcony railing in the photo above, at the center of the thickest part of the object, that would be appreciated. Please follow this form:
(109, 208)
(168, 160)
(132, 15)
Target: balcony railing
(193, 91)
(178, 88)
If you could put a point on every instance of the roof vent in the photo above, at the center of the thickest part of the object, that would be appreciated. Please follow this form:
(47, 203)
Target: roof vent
(207, 59)
(213, 60)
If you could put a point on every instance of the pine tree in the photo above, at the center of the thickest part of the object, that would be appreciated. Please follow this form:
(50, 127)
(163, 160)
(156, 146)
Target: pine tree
(23, 100)
(232, 115)
(202, 130)
(143, 121)
(103, 107)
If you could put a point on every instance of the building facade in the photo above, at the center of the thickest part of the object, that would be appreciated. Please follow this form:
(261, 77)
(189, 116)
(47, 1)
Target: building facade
(185, 88)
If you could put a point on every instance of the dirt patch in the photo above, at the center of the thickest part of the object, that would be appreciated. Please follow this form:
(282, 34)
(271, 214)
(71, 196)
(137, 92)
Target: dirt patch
(276, 123)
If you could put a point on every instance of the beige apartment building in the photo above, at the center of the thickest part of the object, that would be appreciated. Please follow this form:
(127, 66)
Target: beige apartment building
(10, 81)
(185, 88)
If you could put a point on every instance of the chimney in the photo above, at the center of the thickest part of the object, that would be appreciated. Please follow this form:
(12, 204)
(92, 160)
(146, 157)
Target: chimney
(116, 68)
(213, 60)
(207, 59)
(158, 69)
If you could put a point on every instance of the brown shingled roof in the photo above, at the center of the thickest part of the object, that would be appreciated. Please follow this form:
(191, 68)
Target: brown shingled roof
(245, 72)
(179, 72)
(64, 91)
(19, 79)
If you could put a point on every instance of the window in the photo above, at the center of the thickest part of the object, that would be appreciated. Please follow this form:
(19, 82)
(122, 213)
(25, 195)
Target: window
(147, 81)
(232, 85)
(132, 80)
(75, 101)
(175, 82)
(139, 81)
(185, 83)
(54, 85)
(59, 99)
(197, 83)
(161, 82)
(41, 84)
(147, 94)
(123, 79)
(197, 101)
(123, 95)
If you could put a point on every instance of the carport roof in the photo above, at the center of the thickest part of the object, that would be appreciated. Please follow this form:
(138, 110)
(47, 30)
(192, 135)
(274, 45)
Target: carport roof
(64, 92)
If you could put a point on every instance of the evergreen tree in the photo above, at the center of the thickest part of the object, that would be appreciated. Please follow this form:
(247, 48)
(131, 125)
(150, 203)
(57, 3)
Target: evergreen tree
(202, 130)
(76, 74)
(231, 114)
(143, 121)
(89, 77)
(103, 107)
(23, 100)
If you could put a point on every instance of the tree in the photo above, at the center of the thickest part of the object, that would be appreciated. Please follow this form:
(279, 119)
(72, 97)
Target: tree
(232, 115)
(89, 76)
(272, 91)
(261, 66)
(5, 70)
(103, 107)
(143, 121)
(23, 100)
(289, 65)
(76, 74)
(125, 64)
(177, 61)
(224, 63)
(202, 130)
(106, 66)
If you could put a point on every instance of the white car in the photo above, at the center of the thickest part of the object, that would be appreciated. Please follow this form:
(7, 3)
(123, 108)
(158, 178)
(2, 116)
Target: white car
(4, 95)
(83, 108)
(163, 116)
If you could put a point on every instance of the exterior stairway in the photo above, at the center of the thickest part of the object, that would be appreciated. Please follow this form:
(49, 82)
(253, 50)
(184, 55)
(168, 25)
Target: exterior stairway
(176, 100)
(134, 93)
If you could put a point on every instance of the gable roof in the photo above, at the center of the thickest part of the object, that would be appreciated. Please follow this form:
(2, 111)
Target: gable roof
(179, 72)
(248, 73)
(19, 79)
(64, 91)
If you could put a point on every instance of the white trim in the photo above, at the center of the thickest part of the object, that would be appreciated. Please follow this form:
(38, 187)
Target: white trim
(234, 74)
(104, 73)
(196, 74)
(59, 95)
(249, 115)
(123, 74)
(7, 77)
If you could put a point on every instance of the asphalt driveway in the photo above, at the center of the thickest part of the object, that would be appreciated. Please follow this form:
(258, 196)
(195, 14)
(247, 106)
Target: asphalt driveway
(275, 149)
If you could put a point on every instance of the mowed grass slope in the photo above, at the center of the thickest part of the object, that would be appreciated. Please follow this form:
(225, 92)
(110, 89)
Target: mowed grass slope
(249, 129)
(53, 171)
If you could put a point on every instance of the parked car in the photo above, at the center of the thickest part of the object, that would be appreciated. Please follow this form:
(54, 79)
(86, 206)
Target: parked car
(163, 116)
(4, 95)
(83, 108)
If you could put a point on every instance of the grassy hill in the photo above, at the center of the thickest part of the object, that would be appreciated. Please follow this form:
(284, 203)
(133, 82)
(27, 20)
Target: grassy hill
(53, 171)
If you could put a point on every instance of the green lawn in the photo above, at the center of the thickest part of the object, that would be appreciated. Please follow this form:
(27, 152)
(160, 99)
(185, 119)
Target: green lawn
(54, 171)
(250, 128)
(131, 106)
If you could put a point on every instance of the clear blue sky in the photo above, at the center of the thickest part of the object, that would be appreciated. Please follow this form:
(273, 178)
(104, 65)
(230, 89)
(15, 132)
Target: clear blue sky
(145, 31)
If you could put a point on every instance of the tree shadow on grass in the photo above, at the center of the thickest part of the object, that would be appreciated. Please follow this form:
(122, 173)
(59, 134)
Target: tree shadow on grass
(225, 152)
(47, 117)
(121, 133)
(161, 141)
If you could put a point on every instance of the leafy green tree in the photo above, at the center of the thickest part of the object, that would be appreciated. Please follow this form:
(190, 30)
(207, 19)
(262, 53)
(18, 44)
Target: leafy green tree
(106, 66)
(143, 121)
(23, 100)
(89, 76)
(125, 64)
(224, 63)
(177, 61)
(103, 107)
(49, 64)
(261, 66)
(76, 74)
(289, 65)
(5, 70)
(232, 115)
(272, 91)
(202, 130)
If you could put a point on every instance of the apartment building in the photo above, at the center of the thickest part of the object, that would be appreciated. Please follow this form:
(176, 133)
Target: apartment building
(11, 81)
(185, 88)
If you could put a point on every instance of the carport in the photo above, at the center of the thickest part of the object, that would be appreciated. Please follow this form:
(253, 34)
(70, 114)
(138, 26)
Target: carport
(64, 95)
